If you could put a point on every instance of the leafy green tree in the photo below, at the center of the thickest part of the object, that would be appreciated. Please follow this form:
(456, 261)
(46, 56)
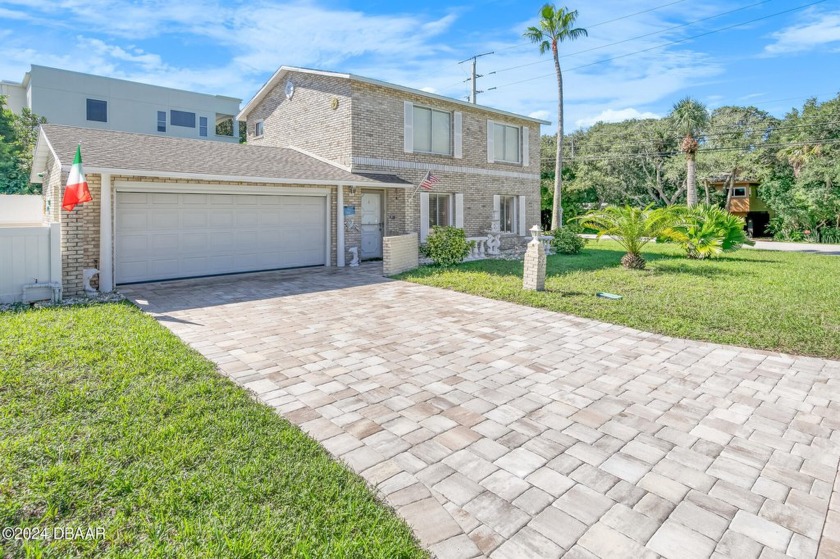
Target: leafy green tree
(631, 227)
(18, 135)
(689, 117)
(556, 25)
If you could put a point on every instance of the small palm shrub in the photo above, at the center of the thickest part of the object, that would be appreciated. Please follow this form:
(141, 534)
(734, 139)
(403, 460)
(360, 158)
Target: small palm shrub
(566, 241)
(631, 227)
(446, 246)
(706, 231)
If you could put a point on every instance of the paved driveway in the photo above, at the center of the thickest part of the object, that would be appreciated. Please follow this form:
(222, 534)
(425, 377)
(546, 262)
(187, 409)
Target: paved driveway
(506, 431)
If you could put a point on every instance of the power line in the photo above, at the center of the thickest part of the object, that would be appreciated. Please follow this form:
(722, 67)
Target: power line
(544, 60)
(728, 27)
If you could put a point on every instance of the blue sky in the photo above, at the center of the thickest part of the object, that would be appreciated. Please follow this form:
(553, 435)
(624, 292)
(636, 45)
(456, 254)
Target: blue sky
(771, 61)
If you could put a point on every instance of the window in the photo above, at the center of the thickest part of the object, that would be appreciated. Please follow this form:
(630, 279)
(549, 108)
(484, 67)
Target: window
(259, 129)
(740, 192)
(507, 214)
(97, 111)
(506, 143)
(161, 121)
(439, 210)
(182, 118)
(202, 126)
(432, 131)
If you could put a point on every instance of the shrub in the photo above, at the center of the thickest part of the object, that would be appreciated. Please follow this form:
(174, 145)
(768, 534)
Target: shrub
(566, 241)
(446, 246)
(631, 227)
(706, 231)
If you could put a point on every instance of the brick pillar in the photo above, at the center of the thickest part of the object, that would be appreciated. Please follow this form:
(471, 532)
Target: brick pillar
(534, 277)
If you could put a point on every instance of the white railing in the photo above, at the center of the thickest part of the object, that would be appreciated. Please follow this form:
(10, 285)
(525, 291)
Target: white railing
(478, 250)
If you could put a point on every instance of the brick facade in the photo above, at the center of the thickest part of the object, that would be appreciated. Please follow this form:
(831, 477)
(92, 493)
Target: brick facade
(399, 254)
(355, 122)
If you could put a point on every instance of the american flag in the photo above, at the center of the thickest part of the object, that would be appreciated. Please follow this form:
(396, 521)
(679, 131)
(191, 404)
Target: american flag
(428, 182)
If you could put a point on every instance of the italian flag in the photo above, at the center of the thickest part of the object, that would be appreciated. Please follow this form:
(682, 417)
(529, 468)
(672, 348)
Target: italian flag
(77, 191)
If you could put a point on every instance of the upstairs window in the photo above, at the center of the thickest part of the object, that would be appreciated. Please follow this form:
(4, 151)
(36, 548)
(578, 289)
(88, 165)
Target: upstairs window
(740, 192)
(97, 111)
(432, 131)
(506, 143)
(202, 126)
(161, 121)
(182, 118)
(259, 129)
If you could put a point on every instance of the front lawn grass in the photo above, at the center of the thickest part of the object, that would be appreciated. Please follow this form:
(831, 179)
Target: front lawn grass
(108, 420)
(782, 301)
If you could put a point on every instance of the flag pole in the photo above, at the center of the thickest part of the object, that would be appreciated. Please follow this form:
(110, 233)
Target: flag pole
(421, 182)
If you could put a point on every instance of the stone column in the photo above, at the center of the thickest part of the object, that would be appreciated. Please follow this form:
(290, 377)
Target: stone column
(534, 277)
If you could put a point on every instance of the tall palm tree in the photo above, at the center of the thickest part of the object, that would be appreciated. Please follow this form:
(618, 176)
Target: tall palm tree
(689, 117)
(556, 26)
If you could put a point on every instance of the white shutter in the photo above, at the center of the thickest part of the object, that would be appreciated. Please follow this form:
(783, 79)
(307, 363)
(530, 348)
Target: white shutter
(497, 206)
(491, 150)
(526, 156)
(408, 127)
(523, 223)
(459, 211)
(424, 216)
(459, 135)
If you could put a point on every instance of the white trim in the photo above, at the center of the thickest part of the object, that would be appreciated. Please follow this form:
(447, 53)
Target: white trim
(497, 207)
(459, 210)
(335, 164)
(424, 216)
(55, 252)
(526, 154)
(184, 188)
(283, 70)
(416, 165)
(491, 140)
(235, 178)
(339, 228)
(328, 233)
(522, 217)
(408, 127)
(39, 160)
(106, 244)
(458, 135)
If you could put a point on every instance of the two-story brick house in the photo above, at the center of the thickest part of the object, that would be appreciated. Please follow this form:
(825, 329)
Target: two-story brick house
(333, 161)
(481, 156)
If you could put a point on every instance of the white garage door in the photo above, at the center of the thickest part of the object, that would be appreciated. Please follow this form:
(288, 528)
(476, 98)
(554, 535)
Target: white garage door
(169, 235)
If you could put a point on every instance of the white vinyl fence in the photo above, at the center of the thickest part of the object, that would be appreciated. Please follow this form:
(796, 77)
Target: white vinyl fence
(29, 255)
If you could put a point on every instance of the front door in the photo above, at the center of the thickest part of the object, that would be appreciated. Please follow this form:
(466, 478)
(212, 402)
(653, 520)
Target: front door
(371, 225)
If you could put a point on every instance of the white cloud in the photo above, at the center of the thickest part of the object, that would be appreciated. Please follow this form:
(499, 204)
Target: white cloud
(819, 30)
(611, 115)
(542, 115)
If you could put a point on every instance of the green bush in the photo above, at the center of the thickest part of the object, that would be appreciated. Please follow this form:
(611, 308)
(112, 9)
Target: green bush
(446, 246)
(706, 231)
(566, 241)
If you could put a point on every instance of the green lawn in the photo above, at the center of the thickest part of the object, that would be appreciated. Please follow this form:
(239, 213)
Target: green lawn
(107, 420)
(788, 302)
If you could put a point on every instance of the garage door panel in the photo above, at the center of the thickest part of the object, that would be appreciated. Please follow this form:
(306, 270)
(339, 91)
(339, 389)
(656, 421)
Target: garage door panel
(164, 235)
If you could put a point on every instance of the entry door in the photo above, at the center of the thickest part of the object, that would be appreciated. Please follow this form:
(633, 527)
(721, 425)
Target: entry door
(371, 225)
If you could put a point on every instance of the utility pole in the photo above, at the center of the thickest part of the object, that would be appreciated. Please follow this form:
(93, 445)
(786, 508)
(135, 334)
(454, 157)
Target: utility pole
(474, 76)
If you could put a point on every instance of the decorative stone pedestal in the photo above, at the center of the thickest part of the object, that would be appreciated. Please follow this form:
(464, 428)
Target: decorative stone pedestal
(534, 276)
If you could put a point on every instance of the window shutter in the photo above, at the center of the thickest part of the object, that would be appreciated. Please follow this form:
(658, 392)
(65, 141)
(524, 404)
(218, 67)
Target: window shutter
(459, 135)
(523, 223)
(459, 211)
(424, 216)
(491, 150)
(408, 127)
(526, 157)
(497, 206)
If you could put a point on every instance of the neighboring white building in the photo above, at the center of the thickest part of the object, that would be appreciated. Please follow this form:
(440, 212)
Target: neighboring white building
(89, 101)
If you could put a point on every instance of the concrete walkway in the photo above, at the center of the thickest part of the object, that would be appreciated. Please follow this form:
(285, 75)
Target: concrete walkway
(510, 432)
(814, 248)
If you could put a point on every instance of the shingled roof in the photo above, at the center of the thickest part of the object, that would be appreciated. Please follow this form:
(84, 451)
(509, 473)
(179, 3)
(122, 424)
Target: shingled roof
(149, 155)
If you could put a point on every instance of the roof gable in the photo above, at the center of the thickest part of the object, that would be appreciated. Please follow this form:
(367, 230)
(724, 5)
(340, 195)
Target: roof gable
(277, 78)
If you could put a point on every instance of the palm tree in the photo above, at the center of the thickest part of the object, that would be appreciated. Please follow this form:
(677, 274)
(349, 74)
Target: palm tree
(631, 227)
(556, 26)
(689, 117)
